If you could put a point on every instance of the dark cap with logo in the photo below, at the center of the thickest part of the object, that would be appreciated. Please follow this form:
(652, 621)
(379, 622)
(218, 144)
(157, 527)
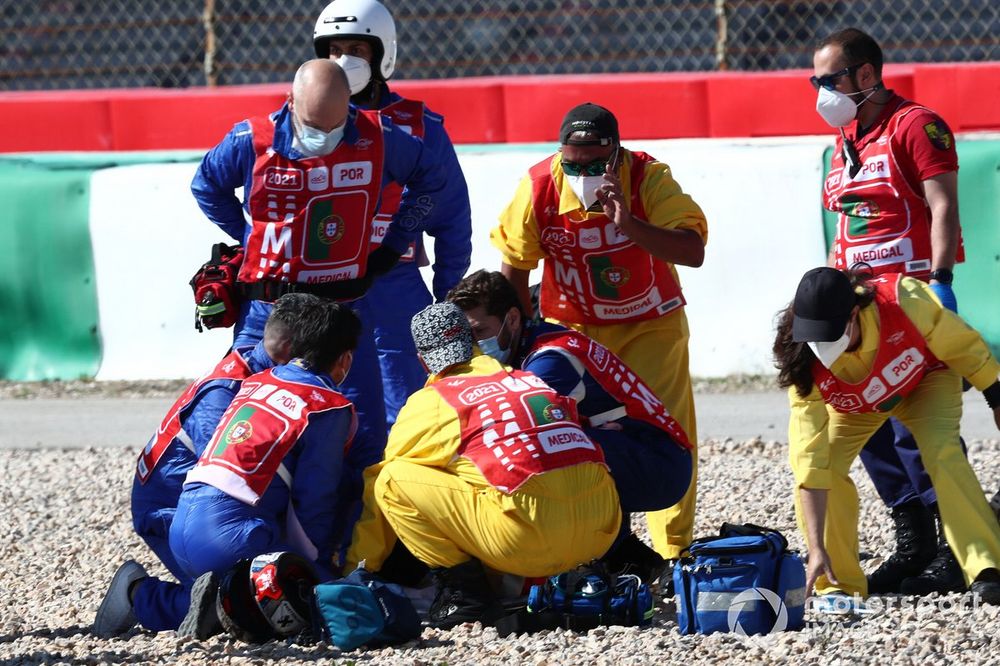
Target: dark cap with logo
(589, 125)
(442, 336)
(822, 306)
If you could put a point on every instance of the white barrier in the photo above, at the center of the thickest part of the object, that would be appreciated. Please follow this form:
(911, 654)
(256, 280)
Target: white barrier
(761, 199)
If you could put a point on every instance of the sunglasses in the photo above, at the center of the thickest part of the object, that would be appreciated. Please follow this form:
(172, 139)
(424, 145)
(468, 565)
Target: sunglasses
(595, 168)
(829, 81)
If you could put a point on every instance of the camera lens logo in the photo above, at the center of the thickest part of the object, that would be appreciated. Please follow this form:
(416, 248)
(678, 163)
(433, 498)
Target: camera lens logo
(752, 597)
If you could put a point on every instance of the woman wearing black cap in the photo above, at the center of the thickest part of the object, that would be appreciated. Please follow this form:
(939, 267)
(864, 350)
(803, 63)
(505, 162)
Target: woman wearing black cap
(854, 351)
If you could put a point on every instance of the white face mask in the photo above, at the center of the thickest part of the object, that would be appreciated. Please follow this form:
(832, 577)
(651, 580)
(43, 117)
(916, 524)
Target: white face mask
(312, 142)
(837, 108)
(585, 188)
(358, 71)
(829, 352)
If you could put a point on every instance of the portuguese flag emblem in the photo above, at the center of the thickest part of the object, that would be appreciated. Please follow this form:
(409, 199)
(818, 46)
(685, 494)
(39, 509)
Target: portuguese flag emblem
(608, 279)
(324, 228)
(543, 411)
(240, 429)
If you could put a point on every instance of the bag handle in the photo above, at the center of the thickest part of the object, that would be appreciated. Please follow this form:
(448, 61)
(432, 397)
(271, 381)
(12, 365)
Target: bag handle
(749, 529)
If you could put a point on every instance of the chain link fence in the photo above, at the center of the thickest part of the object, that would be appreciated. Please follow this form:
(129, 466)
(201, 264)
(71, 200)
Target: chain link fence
(52, 44)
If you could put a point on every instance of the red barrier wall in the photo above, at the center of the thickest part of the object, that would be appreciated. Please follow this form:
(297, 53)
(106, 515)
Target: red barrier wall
(496, 109)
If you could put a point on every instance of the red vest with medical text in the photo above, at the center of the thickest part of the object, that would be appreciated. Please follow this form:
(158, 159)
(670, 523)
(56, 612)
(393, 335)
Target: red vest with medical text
(611, 373)
(257, 431)
(883, 219)
(312, 218)
(594, 274)
(900, 364)
(408, 115)
(514, 426)
(232, 367)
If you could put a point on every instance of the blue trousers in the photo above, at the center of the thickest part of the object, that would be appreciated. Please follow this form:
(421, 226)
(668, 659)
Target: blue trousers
(893, 462)
(651, 472)
(154, 504)
(210, 532)
(393, 300)
(160, 605)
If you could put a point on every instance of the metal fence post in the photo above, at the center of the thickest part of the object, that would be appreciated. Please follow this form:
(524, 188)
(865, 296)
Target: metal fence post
(722, 35)
(208, 21)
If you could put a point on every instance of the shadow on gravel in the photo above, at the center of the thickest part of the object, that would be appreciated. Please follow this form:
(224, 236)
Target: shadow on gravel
(47, 632)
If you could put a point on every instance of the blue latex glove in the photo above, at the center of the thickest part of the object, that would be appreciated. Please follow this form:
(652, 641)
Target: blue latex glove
(946, 295)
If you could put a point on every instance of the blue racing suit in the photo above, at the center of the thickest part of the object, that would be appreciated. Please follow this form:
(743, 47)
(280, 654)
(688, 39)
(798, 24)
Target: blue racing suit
(230, 165)
(211, 531)
(650, 470)
(155, 501)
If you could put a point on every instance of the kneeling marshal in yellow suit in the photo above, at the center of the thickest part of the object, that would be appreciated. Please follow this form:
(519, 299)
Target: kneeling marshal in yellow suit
(485, 465)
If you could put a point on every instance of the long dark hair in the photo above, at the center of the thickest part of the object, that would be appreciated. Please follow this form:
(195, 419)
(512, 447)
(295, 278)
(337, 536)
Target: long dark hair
(794, 360)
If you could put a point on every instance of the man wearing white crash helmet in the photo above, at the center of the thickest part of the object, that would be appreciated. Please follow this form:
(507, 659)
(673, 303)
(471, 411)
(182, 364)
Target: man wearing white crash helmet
(894, 184)
(360, 35)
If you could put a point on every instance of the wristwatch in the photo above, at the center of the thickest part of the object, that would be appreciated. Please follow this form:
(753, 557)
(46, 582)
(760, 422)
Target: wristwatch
(943, 275)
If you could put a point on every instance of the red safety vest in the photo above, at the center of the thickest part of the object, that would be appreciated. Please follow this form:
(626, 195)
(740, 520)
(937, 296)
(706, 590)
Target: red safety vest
(593, 273)
(408, 114)
(257, 431)
(514, 426)
(232, 367)
(312, 219)
(611, 373)
(883, 220)
(900, 363)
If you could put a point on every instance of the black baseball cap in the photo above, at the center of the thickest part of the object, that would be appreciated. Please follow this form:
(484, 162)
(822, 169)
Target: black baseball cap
(822, 306)
(589, 125)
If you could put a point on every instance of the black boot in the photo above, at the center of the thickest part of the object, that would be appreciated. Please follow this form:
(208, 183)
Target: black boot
(987, 586)
(632, 556)
(943, 573)
(463, 595)
(915, 547)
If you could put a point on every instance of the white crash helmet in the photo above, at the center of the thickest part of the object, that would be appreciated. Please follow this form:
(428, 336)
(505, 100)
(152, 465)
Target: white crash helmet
(366, 19)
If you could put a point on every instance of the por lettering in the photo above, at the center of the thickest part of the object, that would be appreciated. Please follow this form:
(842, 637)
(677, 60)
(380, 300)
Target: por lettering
(352, 174)
(903, 365)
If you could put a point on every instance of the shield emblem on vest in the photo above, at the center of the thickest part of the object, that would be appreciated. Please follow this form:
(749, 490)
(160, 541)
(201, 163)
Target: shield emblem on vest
(615, 276)
(330, 229)
(240, 432)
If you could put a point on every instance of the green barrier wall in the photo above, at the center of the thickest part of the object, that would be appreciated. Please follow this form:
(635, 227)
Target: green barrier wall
(48, 298)
(977, 280)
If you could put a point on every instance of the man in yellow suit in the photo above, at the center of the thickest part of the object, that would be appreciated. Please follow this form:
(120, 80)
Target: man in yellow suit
(610, 224)
(485, 466)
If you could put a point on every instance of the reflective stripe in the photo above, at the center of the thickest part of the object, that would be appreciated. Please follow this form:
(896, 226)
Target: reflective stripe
(721, 601)
(598, 420)
(186, 440)
(285, 475)
(795, 597)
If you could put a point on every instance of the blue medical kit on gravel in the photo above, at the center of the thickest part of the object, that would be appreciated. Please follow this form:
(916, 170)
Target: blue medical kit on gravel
(736, 580)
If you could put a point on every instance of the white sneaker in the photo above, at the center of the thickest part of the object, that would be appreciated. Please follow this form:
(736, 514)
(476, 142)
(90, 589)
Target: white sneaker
(838, 603)
(115, 615)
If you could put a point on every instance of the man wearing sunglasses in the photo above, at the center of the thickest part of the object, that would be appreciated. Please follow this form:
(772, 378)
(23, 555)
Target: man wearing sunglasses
(894, 183)
(610, 224)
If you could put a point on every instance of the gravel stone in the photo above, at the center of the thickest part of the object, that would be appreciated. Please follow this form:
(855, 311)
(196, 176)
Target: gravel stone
(66, 527)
